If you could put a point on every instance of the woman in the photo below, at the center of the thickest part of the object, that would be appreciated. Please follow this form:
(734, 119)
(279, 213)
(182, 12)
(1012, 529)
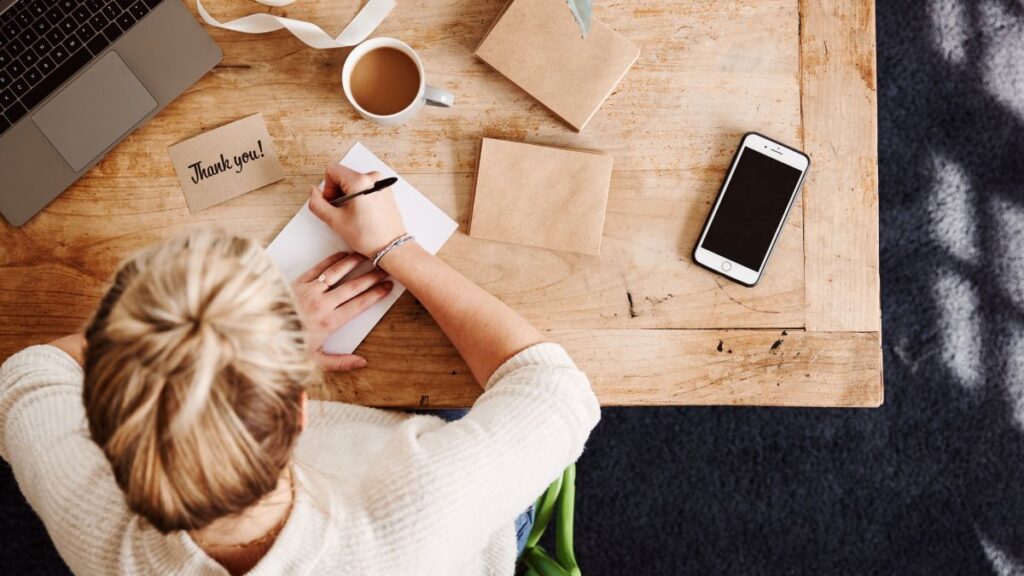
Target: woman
(195, 450)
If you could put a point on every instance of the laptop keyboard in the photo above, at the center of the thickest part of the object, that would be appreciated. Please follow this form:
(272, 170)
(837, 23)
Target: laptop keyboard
(43, 43)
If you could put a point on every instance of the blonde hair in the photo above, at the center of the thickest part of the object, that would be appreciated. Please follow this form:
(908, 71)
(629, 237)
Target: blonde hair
(195, 366)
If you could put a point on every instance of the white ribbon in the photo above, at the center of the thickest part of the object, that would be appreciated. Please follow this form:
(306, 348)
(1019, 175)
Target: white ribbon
(365, 22)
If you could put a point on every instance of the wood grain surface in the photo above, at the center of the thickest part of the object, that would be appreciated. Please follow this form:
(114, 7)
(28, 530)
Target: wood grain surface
(640, 317)
(412, 364)
(841, 195)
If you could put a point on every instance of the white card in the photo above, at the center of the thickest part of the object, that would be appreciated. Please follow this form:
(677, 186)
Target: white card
(306, 240)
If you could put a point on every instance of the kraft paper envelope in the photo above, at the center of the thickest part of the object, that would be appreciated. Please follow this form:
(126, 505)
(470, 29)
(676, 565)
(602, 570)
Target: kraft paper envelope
(306, 240)
(226, 162)
(537, 45)
(540, 196)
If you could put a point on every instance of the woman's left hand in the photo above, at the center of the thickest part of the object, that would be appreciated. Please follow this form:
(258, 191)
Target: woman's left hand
(326, 304)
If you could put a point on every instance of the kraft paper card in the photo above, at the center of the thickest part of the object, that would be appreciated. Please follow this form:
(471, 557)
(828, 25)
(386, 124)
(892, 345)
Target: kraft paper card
(540, 196)
(226, 162)
(537, 45)
(306, 240)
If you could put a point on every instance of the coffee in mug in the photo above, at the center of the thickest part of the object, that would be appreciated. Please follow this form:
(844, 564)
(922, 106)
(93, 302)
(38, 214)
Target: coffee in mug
(383, 80)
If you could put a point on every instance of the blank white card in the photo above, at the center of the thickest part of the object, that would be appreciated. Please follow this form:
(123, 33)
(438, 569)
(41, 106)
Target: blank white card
(306, 241)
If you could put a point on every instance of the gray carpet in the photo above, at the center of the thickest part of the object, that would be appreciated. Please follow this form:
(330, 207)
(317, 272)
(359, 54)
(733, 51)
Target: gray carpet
(928, 484)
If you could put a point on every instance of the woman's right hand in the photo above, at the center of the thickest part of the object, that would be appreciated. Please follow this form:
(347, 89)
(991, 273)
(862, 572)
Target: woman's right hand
(368, 223)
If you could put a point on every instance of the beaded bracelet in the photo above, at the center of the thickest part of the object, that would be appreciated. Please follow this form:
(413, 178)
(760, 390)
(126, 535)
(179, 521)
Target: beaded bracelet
(394, 244)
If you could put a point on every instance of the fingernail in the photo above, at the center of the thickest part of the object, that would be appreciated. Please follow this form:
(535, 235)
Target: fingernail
(361, 364)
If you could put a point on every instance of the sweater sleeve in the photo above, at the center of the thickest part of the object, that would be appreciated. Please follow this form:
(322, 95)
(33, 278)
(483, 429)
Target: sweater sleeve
(60, 470)
(460, 482)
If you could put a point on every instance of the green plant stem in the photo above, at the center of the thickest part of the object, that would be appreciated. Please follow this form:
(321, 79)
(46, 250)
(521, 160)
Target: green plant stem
(544, 509)
(565, 522)
(537, 559)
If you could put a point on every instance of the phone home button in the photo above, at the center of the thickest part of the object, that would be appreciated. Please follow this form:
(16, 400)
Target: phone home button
(726, 266)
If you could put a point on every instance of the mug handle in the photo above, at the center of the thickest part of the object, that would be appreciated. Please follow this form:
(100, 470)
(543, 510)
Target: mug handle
(438, 97)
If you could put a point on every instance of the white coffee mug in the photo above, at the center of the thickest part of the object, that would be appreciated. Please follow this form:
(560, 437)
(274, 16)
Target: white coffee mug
(425, 95)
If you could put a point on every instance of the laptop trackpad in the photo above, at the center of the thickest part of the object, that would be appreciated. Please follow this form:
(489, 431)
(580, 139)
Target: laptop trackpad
(94, 111)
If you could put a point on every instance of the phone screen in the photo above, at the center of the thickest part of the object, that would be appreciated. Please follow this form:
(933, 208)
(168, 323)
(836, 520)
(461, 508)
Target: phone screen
(752, 208)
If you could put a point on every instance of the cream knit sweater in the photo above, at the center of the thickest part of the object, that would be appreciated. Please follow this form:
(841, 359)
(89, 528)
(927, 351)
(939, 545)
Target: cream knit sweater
(378, 492)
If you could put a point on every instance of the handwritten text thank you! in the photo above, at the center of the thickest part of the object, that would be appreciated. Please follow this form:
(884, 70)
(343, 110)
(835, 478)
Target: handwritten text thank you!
(224, 164)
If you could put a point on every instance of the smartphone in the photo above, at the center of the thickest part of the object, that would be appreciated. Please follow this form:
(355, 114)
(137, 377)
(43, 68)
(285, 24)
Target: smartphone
(751, 208)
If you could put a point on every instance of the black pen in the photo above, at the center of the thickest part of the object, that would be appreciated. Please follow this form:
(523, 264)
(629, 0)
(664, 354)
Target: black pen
(378, 185)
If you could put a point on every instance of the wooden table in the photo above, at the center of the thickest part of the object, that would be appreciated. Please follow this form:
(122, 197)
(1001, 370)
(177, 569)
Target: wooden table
(647, 324)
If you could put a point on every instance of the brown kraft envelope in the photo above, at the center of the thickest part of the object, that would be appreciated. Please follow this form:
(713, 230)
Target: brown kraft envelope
(537, 45)
(540, 196)
(226, 162)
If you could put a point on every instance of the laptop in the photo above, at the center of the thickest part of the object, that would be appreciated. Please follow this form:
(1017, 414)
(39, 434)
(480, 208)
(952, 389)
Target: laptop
(76, 77)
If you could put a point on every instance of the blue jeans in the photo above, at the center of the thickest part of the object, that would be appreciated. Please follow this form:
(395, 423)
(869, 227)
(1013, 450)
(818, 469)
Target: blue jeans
(524, 522)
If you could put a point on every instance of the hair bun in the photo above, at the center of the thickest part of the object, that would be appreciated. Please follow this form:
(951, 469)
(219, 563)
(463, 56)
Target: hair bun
(195, 364)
